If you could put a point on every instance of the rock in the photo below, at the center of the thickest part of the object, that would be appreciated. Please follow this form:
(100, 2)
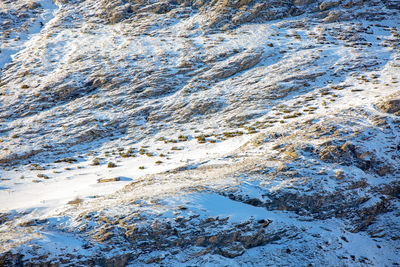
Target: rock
(392, 189)
(328, 4)
(382, 171)
(339, 174)
(107, 180)
(348, 148)
(303, 2)
(215, 239)
(329, 153)
(32, 5)
(201, 241)
(389, 106)
(158, 8)
(346, 154)
(333, 16)
(234, 250)
(392, 4)
(120, 260)
(10, 259)
(33, 222)
(234, 64)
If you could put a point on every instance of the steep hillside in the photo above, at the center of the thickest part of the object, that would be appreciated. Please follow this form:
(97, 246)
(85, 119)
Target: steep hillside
(181, 133)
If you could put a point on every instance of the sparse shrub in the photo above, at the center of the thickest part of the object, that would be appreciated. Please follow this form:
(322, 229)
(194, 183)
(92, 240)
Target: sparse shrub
(111, 165)
(324, 93)
(76, 201)
(68, 160)
(158, 162)
(141, 167)
(124, 155)
(232, 134)
(251, 130)
(41, 175)
(182, 138)
(128, 153)
(201, 139)
(36, 167)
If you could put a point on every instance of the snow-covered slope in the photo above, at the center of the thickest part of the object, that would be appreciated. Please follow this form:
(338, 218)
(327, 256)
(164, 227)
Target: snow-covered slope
(221, 133)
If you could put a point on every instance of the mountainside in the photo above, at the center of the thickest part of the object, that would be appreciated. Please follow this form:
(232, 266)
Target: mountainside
(191, 133)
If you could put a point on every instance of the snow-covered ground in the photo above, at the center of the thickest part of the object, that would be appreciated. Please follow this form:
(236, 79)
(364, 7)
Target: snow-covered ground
(137, 133)
(19, 39)
(65, 182)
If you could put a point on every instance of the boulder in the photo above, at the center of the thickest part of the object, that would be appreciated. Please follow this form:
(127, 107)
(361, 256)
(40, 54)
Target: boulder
(389, 106)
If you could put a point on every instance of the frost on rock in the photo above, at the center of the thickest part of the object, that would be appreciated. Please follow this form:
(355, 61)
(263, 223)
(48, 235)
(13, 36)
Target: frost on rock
(238, 133)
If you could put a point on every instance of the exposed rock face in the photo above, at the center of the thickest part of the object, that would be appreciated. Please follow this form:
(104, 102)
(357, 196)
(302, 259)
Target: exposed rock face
(197, 67)
(347, 154)
(234, 65)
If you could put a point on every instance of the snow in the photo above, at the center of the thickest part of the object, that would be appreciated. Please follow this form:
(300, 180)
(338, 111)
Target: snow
(26, 39)
(219, 206)
(81, 179)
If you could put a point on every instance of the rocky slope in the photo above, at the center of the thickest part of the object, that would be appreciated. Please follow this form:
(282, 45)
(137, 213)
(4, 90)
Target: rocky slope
(237, 133)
